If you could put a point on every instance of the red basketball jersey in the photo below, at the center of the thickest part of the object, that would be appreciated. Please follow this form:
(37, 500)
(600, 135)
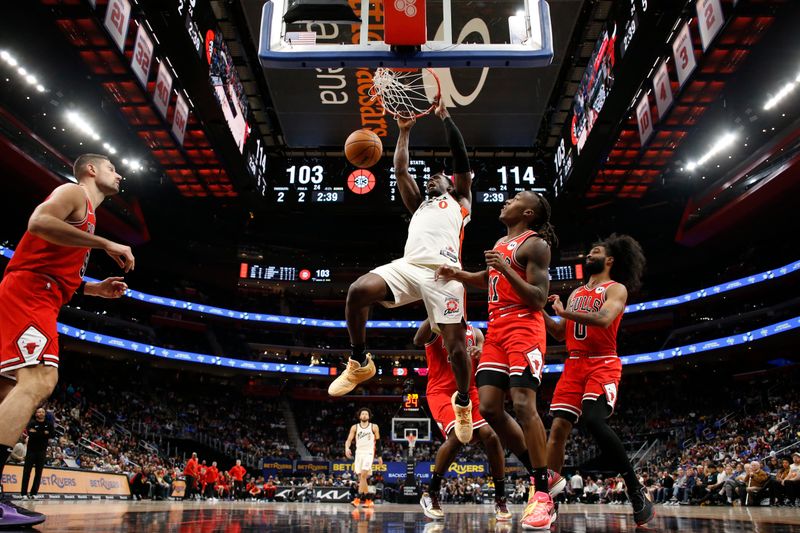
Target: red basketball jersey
(65, 264)
(440, 374)
(502, 296)
(591, 340)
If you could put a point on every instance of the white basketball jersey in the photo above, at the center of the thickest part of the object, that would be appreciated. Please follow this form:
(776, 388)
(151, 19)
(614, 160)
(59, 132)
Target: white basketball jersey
(365, 439)
(436, 231)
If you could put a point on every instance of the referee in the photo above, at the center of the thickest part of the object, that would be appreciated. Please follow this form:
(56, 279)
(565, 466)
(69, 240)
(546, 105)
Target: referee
(39, 432)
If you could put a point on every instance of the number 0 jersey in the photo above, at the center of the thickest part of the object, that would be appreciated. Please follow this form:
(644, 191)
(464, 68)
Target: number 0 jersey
(436, 232)
(591, 341)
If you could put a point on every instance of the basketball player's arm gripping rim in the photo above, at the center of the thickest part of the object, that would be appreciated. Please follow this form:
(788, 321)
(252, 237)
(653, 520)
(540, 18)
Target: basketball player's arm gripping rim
(409, 190)
(423, 334)
(616, 296)
(535, 255)
(49, 221)
(347, 451)
(462, 174)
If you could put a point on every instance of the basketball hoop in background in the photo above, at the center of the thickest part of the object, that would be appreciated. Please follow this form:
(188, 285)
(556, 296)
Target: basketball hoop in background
(406, 92)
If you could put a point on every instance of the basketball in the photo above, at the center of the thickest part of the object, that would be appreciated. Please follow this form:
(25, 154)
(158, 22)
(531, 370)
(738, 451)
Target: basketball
(363, 148)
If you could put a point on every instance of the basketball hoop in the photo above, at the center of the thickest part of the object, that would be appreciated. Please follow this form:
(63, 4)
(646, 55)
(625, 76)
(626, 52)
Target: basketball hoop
(406, 92)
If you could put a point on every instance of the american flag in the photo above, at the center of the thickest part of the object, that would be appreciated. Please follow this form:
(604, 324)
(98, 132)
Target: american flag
(301, 37)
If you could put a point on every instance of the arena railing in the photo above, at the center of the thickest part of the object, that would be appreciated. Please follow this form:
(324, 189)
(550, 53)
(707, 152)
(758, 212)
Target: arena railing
(222, 312)
(284, 368)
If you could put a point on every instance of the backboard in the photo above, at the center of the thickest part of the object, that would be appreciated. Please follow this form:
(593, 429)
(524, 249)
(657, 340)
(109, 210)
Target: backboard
(460, 33)
(419, 426)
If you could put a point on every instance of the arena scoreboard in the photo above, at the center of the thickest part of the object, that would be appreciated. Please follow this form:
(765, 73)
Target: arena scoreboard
(566, 272)
(275, 273)
(294, 181)
(596, 88)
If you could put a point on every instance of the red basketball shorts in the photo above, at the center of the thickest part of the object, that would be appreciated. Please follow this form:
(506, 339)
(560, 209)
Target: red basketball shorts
(514, 343)
(586, 378)
(29, 305)
(442, 410)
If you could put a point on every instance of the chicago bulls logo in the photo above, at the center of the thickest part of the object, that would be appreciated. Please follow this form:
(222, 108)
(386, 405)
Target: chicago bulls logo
(611, 393)
(31, 343)
(536, 361)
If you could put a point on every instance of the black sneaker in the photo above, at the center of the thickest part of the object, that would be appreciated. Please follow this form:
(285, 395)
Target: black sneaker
(643, 508)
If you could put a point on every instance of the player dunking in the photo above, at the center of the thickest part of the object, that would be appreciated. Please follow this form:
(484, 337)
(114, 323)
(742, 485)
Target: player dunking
(588, 387)
(434, 238)
(44, 273)
(441, 386)
(513, 358)
(368, 439)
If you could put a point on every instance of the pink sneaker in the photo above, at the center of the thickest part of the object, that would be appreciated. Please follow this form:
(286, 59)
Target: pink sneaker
(555, 483)
(540, 513)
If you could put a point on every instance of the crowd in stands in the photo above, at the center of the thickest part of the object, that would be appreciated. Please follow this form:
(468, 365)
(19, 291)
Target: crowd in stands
(704, 448)
(734, 446)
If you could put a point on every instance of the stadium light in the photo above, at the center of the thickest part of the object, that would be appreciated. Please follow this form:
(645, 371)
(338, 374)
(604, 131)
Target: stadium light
(781, 94)
(11, 61)
(722, 143)
(133, 164)
(82, 124)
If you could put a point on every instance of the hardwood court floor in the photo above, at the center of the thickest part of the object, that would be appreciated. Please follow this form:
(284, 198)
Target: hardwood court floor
(243, 517)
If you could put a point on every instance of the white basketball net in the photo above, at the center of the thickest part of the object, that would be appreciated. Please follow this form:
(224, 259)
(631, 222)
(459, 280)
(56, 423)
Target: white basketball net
(405, 94)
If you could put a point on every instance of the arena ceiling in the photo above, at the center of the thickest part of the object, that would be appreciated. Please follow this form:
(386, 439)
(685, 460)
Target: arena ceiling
(210, 182)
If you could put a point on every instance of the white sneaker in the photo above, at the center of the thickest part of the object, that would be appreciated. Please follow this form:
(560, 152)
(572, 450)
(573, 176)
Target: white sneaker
(430, 506)
(352, 376)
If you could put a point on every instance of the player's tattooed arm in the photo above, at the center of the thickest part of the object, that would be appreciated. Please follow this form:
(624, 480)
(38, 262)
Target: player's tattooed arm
(616, 296)
(409, 190)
